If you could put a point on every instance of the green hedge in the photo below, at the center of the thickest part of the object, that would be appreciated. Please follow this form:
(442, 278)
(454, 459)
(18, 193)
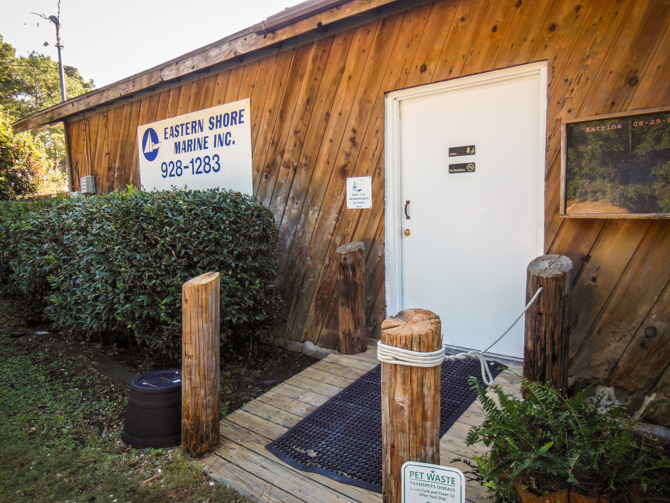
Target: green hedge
(28, 230)
(110, 268)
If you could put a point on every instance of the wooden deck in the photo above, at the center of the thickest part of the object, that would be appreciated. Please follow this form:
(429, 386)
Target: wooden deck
(242, 462)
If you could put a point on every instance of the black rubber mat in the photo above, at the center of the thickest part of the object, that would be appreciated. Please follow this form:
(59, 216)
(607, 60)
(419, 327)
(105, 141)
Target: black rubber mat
(342, 439)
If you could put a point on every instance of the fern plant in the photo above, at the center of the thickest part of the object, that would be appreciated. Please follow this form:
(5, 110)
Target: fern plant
(548, 442)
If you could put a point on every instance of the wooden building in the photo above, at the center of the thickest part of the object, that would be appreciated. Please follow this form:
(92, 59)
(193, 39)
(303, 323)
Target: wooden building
(385, 88)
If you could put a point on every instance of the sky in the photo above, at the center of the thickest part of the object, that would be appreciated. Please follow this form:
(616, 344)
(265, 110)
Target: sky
(109, 41)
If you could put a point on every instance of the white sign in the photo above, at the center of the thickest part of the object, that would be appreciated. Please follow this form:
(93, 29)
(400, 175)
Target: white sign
(206, 149)
(359, 192)
(424, 483)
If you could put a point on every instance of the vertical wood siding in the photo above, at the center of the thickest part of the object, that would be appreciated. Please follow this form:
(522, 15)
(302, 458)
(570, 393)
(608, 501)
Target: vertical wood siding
(318, 117)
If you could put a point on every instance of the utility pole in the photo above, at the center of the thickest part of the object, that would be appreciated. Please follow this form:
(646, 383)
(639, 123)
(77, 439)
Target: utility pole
(59, 45)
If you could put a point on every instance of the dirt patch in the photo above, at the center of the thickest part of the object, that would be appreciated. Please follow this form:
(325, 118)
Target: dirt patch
(243, 377)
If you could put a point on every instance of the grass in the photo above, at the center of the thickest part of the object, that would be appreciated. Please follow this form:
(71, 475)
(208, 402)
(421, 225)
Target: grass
(60, 425)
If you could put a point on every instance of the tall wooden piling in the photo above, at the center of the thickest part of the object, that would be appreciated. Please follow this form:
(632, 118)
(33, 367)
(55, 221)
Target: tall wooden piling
(200, 364)
(546, 347)
(351, 288)
(410, 399)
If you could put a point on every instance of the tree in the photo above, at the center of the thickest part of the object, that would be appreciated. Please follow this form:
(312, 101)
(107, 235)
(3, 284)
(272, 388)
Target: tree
(30, 84)
(23, 166)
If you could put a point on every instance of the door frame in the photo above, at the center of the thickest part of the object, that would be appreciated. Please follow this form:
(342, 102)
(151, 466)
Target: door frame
(393, 191)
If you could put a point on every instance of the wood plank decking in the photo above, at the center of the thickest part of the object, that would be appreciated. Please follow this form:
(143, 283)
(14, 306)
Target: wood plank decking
(242, 462)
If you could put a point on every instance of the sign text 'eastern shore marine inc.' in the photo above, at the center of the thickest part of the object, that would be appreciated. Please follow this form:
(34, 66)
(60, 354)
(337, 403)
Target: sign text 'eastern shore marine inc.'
(206, 149)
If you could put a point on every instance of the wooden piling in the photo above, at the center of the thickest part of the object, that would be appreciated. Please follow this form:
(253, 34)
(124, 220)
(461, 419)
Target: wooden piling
(546, 347)
(200, 364)
(351, 289)
(410, 399)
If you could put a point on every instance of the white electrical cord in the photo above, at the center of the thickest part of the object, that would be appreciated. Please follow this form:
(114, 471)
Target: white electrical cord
(399, 356)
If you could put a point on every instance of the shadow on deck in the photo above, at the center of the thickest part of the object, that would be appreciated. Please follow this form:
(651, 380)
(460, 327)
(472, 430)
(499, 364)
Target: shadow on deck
(243, 463)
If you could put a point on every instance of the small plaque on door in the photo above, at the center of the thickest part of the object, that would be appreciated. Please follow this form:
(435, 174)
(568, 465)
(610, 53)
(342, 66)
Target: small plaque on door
(465, 167)
(464, 150)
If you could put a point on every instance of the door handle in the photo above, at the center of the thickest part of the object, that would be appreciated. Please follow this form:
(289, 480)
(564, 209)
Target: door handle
(406, 208)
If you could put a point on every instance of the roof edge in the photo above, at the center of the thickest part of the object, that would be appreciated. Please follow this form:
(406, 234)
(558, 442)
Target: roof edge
(296, 13)
(298, 20)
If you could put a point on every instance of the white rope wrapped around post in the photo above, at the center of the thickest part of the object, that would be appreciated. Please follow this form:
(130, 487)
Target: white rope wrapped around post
(399, 356)
(392, 354)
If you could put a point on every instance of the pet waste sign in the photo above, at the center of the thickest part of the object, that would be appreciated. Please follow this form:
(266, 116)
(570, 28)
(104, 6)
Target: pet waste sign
(424, 483)
(206, 149)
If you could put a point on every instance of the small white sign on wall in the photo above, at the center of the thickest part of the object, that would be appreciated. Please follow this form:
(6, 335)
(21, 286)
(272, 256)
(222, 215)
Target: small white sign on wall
(359, 193)
(424, 483)
(206, 149)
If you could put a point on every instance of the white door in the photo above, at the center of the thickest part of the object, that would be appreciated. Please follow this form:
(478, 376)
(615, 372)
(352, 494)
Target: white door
(465, 185)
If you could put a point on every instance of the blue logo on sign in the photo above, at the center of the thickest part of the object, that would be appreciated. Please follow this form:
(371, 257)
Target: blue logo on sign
(150, 144)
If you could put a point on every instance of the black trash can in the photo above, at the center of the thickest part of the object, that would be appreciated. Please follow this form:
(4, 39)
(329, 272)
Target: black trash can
(153, 416)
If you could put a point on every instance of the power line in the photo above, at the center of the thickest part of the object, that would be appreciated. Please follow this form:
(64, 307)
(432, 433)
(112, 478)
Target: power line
(37, 67)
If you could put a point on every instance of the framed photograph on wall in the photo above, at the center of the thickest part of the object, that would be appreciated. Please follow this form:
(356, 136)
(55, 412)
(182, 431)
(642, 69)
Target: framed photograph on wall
(617, 165)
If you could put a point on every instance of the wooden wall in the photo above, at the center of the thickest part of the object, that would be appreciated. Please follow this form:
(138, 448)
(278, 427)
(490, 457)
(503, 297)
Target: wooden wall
(318, 118)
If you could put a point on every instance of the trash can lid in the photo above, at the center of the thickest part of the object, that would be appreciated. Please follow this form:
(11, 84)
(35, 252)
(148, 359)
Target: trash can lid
(158, 379)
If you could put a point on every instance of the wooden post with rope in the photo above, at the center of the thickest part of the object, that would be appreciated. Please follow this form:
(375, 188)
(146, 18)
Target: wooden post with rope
(546, 346)
(200, 364)
(410, 399)
(351, 287)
